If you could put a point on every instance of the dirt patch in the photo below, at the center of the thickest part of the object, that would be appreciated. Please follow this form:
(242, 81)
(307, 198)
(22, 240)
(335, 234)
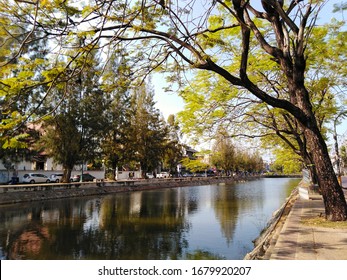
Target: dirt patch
(322, 222)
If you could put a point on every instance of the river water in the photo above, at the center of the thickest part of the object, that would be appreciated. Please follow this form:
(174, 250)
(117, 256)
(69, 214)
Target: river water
(198, 222)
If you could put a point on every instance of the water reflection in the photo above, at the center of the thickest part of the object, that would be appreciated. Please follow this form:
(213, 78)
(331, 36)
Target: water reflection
(203, 222)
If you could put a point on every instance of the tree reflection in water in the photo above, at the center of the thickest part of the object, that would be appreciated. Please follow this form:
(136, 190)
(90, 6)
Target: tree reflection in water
(203, 222)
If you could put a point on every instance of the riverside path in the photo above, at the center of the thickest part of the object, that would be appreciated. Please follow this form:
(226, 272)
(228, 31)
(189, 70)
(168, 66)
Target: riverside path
(299, 241)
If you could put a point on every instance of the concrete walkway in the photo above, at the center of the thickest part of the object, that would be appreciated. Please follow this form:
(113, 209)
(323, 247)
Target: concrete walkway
(297, 241)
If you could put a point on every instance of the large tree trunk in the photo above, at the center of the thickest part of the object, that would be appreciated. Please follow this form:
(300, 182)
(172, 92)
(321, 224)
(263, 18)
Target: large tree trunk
(333, 196)
(67, 174)
(313, 173)
(308, 162)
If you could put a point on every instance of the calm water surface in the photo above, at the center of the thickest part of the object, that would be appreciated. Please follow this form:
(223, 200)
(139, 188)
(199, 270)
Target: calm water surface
(201, 222)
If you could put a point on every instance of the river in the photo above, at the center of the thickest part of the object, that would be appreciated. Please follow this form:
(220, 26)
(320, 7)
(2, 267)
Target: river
(198, 222)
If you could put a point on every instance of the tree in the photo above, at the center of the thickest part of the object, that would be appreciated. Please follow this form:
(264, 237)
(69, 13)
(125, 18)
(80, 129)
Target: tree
(18, 95)
(148, 132)
(195, 165)
(289, 162)
(209, 104)
(344, 156)
(73, 133)
(62, 141)
(21, 87)
(224, 153)
(275, 34)
(173, 151)
(340, 115)
(117, 83)
(247, 161)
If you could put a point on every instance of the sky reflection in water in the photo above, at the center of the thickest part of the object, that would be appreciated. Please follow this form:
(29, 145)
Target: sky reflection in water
(202, 222)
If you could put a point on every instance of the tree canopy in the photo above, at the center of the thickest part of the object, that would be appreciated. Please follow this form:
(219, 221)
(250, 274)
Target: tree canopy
(264, 52)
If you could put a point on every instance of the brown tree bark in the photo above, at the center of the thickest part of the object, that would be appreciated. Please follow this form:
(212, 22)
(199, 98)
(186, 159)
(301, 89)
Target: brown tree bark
(67, 174)
(333, 196)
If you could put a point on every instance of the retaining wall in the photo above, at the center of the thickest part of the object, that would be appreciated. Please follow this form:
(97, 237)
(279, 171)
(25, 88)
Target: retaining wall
(36, 192)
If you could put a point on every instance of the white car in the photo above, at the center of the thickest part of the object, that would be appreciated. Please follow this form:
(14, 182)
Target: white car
(33, 178)
(58, 177)
(163, 175)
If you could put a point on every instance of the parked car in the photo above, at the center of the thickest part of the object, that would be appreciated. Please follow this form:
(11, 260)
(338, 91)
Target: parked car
(199, 174)
(33, 178)
(163, 175)
(187, 174)
(86, 177)
(210, 173)
(57, 178)
(149, 175)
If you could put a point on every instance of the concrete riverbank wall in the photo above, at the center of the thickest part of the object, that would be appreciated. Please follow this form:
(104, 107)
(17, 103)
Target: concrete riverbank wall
(39, 192)
(266, 240)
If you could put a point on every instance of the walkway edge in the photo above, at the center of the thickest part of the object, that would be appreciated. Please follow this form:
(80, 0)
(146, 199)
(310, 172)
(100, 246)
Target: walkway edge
(265, 243)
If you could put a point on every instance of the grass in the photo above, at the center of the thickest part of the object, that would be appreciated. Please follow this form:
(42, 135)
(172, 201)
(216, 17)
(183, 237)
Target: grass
(322, 222)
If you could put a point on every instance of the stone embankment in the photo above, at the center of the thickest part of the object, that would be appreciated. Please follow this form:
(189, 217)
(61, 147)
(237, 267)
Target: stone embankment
(27, 193)
(267, 238)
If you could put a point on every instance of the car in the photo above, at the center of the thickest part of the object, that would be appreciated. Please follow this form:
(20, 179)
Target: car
(149, 175)
(33, 178)
(163, 175)
(199, 174)
(86, 177)
(187, 174)
(58, 177)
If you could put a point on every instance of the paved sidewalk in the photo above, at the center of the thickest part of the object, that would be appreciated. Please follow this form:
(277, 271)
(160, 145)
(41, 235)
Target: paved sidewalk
(297, 241)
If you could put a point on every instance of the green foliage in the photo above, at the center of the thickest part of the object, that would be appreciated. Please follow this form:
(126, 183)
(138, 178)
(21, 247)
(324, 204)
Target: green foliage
(73, 134)
(61, 140)
(287, 162)
(208, 101)
(173, 151)
(116, 132)
(224, 153)
(147, 131)
(194, 165)
(344, 156)
(20, 78)
(15, 142)
(19, 147)
(211, 103)
(248, 161)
